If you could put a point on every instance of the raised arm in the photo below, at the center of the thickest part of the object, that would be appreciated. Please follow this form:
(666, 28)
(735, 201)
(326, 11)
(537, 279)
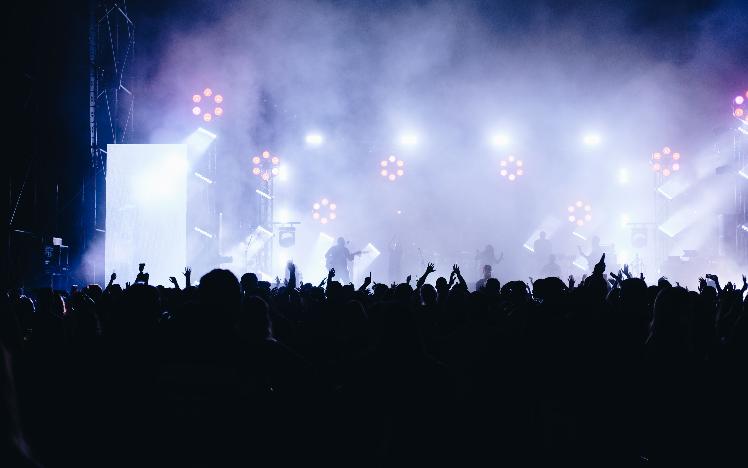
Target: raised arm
(462, 282)
(187, 277)
(291, 275)
(422, 280)
(367, 282)
(330, 276)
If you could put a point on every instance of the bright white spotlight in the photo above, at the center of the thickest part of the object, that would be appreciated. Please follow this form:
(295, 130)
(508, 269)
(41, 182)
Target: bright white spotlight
(591, 139)
(283, 216)
(314, 139)
(409, 139)
(623, 176)
(283, 172)
(199, 141)
(500, 140)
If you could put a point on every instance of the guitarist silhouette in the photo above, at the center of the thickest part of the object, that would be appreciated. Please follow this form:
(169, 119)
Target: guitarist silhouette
(338, 257)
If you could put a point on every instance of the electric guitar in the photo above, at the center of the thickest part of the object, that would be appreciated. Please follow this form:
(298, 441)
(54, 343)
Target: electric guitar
(328, 260)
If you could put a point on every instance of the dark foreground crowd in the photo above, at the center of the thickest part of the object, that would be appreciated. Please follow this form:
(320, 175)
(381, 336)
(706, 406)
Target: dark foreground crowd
(240, 373)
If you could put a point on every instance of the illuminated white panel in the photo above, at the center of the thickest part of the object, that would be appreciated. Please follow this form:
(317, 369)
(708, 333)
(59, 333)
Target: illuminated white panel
(146, 208)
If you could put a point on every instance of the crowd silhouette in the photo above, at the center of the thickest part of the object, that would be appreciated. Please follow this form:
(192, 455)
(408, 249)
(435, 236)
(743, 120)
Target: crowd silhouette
(609, 371)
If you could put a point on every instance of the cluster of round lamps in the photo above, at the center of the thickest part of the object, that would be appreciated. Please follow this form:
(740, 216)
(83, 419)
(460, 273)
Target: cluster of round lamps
(265, 166)
(511, 168)
(324, 211)
(207, 104)
(391, 168)
(666, 161)
(579, 213)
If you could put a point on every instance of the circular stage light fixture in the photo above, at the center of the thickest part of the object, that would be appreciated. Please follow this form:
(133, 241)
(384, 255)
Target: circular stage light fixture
(392, 168)
(265, 166)
(207, 105)
(579, 213)
(511, 168)
(739, 107)
(324, 211)
(666, 161)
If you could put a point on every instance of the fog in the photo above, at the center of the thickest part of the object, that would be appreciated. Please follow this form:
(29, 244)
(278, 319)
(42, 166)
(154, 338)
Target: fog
(455, 74)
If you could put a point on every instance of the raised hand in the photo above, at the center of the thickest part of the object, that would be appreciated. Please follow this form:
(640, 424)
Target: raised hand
(367, 280)
(626, 271)
(430, 268)
(600, 266)
(331, 274)
(114, 277)
(407, 280)
(187, 276)
(702, 284)
(618, 277)
(173, 281)
(571, 281)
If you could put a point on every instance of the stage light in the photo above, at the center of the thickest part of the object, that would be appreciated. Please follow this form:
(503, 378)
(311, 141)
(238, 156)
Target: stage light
(205, 110)
(664, 161)
(500, 140)
(283, 173)
(324, 211)
(591, 139)
(314, 139)
(511, 168)
(263, 194)
(392, 168)
(283, 216)
(203, 178)
(203, 232)
(267, 166)
(579, 213)
(738, 109)
(623, 176)
(409, 139)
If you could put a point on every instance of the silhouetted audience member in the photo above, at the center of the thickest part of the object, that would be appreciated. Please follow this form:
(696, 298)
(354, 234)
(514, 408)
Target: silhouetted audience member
(607, 371)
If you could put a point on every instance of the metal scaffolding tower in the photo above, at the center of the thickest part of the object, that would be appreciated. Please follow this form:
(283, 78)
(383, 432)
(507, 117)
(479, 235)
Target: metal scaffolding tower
(111, 47)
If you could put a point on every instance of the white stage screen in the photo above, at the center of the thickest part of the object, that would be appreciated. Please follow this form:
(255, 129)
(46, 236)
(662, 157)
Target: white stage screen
(146, 210)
